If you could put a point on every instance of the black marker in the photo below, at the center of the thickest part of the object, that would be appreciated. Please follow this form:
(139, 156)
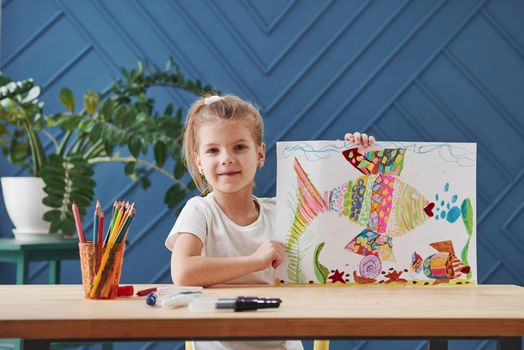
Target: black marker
(247, 303)
(241, 303)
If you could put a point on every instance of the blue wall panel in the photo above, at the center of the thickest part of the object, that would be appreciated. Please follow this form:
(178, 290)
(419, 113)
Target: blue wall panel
(401, 70)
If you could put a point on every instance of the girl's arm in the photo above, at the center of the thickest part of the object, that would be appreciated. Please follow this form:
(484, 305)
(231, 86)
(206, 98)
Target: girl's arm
(188, 267)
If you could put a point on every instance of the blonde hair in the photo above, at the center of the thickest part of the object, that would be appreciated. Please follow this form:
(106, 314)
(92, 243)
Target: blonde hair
(208, 110)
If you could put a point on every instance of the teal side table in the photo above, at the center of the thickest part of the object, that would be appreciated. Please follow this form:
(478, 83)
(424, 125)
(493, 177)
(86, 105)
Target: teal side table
(53, 251)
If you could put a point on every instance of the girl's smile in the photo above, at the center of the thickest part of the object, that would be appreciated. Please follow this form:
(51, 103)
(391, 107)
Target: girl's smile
(230, 173)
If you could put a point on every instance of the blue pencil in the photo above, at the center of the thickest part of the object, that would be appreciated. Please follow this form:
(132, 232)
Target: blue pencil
(95, 222)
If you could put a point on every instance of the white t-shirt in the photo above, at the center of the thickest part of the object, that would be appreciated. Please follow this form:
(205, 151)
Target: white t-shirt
(221, 237)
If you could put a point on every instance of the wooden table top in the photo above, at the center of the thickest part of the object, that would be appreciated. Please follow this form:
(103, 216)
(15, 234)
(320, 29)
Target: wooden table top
(61, 312)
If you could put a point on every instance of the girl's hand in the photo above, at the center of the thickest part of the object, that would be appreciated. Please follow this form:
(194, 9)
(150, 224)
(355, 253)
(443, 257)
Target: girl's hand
(269, 253)
(361, 140)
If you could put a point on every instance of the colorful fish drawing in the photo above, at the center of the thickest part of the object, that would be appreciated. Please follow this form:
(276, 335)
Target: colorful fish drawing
(378, 201)
(444, 265)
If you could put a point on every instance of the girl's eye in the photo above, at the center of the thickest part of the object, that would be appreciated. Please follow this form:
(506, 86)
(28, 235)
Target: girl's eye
(212, 150)
(240, 147)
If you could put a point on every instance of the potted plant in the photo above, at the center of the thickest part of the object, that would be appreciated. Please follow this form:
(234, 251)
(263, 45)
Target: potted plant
(123, 119)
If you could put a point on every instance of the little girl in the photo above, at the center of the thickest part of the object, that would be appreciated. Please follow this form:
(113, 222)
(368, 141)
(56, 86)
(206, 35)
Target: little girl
(222, 236)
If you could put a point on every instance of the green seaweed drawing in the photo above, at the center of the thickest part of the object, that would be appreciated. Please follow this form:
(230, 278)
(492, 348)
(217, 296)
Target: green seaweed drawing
(296, 256)
(467, 218)
(297, 250)
(321, 272)
(294, 267)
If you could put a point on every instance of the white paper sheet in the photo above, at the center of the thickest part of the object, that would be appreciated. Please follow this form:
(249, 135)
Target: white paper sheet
(410, 221)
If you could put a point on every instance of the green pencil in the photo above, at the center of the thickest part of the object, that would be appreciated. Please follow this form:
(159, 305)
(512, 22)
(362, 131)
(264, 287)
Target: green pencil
(113, 217)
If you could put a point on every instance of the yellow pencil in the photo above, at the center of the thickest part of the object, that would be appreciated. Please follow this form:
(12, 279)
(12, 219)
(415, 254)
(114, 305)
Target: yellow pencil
(116, 224)
(103, 267)
(124, 217)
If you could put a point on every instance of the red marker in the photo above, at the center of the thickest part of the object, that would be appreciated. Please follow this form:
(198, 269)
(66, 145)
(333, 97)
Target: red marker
(145, 292)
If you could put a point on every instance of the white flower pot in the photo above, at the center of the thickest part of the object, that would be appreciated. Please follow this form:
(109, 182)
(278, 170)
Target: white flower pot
(23, 200)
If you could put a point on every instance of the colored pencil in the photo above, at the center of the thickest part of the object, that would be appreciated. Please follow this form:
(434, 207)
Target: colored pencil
(123, 219)
(113, 217)
(123, 230)
(100, 234)
(119, 214)
(95, 222)
(78, 222)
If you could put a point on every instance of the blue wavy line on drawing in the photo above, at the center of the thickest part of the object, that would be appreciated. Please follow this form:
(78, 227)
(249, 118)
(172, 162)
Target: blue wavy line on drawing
(315, 153)
(463, 157)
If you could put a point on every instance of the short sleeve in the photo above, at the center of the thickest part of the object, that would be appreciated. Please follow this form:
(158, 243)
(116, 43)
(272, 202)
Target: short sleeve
(191, 219)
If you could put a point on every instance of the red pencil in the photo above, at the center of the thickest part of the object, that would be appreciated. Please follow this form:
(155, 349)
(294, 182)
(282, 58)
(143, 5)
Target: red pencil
(100, 226)
(78, 222)
(99, 239)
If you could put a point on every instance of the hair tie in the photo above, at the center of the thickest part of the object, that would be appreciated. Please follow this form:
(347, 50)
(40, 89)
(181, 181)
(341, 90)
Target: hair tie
(212, 99)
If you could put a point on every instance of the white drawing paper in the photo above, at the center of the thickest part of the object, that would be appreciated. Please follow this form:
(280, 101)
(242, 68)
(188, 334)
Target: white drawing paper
(400, 213)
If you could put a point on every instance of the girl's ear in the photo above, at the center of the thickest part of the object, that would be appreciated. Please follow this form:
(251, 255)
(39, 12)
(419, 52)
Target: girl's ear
(198, 163)
(261, 154)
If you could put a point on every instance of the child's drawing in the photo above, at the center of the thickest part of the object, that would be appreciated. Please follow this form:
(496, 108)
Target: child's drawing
(388, 215)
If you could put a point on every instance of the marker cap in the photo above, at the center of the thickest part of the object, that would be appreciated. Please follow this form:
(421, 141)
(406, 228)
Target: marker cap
(125, 291)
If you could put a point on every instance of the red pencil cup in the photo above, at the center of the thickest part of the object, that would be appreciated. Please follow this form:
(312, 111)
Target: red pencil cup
(101, 268)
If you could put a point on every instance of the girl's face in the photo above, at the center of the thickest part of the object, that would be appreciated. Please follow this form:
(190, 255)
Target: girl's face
(228, 155)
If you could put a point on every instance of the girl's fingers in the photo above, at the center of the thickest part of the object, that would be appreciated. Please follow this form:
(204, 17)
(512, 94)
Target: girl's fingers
(281, 251)
(360, 139)
(365, 140)
(357, 138)
(277, 260)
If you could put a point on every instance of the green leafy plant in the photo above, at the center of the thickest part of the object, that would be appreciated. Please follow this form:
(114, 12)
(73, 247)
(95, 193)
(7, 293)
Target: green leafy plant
(123, 120)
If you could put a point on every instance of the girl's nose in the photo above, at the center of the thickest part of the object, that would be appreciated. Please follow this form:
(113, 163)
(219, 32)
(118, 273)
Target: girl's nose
(227, 159)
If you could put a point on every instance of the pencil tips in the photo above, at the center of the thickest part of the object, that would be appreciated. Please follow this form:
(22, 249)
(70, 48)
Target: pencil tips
(121, 217)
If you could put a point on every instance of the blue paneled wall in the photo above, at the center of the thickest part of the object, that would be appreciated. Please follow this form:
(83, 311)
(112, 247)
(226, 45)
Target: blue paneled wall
(400, 70)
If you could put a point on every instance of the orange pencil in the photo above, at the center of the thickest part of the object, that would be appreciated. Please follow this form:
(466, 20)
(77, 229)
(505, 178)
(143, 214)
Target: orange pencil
(129, 209)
